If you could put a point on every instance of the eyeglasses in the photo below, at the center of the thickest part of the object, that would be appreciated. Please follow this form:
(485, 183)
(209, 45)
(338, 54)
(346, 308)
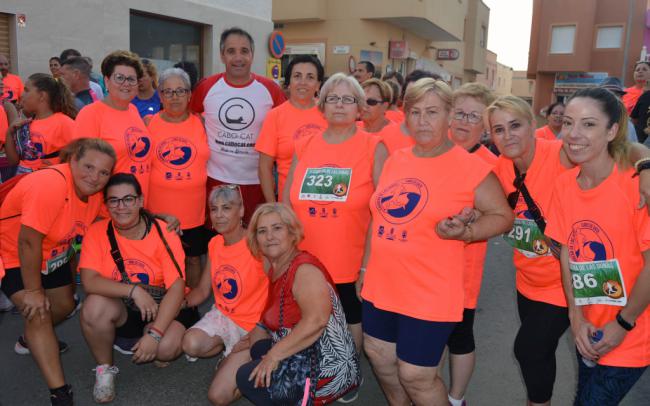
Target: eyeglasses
(472, 118)
(374, 102)
(179, 92)
(334, 99)
(120, 79)
(127, 201)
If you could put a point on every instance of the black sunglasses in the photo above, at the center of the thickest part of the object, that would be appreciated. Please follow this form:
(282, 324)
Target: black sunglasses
(373, 102)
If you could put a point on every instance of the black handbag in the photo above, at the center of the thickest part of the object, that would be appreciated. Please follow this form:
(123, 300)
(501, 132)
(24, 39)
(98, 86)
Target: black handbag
(289, 379)
(157, 293)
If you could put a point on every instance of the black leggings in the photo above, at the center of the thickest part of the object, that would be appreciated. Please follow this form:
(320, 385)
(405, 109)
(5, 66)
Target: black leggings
(542, 325)
(258, 396)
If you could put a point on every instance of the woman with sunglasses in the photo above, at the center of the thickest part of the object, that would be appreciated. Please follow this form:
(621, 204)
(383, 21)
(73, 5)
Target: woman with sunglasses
(120, 255)
(240, 288)
(527, 168)
(179, 168)
(116, 120)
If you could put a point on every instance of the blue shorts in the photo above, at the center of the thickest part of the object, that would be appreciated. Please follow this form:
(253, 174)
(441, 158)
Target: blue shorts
(418, 342)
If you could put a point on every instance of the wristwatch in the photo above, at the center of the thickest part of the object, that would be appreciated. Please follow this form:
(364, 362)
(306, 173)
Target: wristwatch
(623, 323)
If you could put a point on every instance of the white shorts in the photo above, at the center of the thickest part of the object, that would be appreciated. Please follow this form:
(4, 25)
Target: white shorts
(214, 323)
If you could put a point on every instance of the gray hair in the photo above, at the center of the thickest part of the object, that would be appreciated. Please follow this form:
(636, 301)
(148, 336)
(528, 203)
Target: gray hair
(227, 194)
(335, 80)
(174, 72)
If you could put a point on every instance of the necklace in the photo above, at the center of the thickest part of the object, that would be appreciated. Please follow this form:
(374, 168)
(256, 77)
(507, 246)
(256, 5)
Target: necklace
(130, 227)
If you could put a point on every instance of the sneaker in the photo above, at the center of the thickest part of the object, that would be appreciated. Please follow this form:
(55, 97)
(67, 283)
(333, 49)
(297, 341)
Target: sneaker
(21, 347)
(123, 345)
(5, 303)
(104, 389)
(352, 395)
(77, 306)
(62, 397)
(191, 359)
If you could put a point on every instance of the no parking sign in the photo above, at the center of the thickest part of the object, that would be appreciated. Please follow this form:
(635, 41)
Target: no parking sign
(276, 44)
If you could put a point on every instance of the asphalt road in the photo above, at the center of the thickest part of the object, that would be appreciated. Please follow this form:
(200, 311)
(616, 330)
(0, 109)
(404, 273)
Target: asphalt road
(496, 381)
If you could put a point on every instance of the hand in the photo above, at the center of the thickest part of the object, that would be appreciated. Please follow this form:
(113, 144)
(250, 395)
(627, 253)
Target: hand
(644, 189)
(173, 224)
(145, 350)
(19, 123)
(147, 306)
(35, 303)
(358, 285)
(263, 370)
(451, 228)
(243, 344)
(582, 331)
(613, 335)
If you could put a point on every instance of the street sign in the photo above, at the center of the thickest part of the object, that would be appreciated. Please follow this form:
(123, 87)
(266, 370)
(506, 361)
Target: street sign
(449, 54)
(276, 44)
(341, 49)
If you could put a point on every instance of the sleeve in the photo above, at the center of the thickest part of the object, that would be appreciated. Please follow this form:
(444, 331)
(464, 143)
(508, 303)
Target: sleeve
(277, 95)
(43, 201)
(555, 221)
(200, 91)
(91, 248)
(267, 142)
(170, 273)
(87, 123)
(67, 130)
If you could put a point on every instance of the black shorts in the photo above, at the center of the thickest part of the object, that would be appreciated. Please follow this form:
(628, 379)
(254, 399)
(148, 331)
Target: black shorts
(195, 240)
(350, 302)
(461, 340)
(133, 327)
(13, 280)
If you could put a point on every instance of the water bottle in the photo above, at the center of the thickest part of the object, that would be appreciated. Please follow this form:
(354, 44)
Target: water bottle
(594, 338)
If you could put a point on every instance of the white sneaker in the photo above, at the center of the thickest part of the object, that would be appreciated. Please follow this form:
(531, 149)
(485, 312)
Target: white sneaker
(104, 390)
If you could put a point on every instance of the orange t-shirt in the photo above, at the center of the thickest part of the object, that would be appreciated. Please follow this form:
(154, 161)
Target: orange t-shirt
(47, 202)
(13, 87)
(146, 261)
(396, 116)
(48, 135)
(4, 125)
(332, 184)
(282, 128)
(630, 98)
(538, 275)
(179, 170)
(125, 131)
(475, 252)
(545, 133)
(600, 224)
(394, 138)
(238, 281)
(411, 270)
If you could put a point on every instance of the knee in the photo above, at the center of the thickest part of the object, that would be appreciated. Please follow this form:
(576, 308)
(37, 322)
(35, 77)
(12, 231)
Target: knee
(374, 351)
(168, 350)
(220, 396)
(413, 379)
(93, 311)
(191, 344)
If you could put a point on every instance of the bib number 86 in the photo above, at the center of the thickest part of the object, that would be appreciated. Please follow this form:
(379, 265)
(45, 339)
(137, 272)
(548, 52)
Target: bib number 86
(520, 233)
(319, 180)
(582, 281)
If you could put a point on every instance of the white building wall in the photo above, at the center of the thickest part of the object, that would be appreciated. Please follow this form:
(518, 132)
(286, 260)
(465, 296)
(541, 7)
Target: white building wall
(97, 27)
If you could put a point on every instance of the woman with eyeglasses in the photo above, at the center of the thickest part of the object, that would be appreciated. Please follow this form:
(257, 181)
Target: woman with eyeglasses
(554, 116)
(179, 168)
(240, 288)
(122, 259)
(148, 99)
(330, 182)
(117, 121)
(293, 120)
(527, 168)
(423, 215)
(42, 222)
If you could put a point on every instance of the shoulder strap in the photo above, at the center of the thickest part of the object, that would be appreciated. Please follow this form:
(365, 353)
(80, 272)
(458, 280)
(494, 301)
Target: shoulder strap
(532, 206)
(116, 254)
(169, 250)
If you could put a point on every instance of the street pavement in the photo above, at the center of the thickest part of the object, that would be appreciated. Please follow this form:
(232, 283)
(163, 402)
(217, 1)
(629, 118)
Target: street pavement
(496, 380)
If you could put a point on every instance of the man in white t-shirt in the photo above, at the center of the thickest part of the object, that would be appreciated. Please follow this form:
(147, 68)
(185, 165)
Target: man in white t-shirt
(234, 104)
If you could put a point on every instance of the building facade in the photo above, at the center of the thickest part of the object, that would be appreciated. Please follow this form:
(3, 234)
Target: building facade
(575, 43)
(446, 37)
(165, 31)
(522, 86)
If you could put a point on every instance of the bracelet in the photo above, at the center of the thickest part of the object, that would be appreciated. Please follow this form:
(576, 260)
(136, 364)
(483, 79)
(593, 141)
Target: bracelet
(641, 167)
(640, 162)
(155, 330)
(131, 292)
(624, 323)
(154, 335)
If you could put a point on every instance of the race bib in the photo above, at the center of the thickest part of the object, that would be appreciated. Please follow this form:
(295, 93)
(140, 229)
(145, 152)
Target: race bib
(598, 282)
(528, 239)
(326, 184)
(58, 261)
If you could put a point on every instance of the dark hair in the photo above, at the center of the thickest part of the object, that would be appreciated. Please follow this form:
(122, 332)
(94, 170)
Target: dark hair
(320, 72)
(417, 75)
(370, 67)
(68, 53)
(641, 63)
(550, 108)
(60, 98)
(55, 58)
(78, 63)
(191, 70)
(234, 31)
(395, 88)
(394, 74)
(122, 58)
(122, 178)
(77, 149)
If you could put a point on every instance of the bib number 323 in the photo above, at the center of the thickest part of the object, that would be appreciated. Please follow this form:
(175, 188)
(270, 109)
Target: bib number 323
(326, 184)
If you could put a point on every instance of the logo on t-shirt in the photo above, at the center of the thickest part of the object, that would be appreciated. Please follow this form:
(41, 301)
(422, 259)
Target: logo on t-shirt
(137, 142)
(176, 152)
(521, 208)
(33, 148)
(306, 130)
(236, 114)
(227, 283)
(138, 271)
(402, 201)
(588, 242)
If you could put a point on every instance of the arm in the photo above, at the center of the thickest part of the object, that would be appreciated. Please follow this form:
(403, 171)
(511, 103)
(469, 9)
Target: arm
(639, 151)
(30, 243)
(265, 173)
(286, 193)
(358, 285)
(381, 153)
(312, 295)
(202, 291)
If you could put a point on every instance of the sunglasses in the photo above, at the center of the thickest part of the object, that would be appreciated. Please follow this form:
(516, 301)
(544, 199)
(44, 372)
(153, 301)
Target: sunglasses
(373, 102)
(230, 186)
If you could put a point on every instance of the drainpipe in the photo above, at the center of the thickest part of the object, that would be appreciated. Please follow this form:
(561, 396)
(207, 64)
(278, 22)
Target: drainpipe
(628, 30)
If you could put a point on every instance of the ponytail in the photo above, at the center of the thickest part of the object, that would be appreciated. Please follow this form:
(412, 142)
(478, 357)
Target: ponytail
(61, 98)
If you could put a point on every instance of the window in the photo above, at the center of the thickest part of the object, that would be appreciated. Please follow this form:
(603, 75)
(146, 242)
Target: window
(562, 38)
(609, 37)
(483, 39)
(166, 41)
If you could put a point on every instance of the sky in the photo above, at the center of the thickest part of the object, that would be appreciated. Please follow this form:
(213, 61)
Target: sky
(509, 31)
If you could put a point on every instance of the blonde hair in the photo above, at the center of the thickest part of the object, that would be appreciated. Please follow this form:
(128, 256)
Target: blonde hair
(384, 88)
(151, 70)
(288, 218)
(335, 80)
(512, 104)
(475, 91)
(418, 90)
(77, 149)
